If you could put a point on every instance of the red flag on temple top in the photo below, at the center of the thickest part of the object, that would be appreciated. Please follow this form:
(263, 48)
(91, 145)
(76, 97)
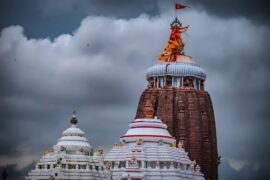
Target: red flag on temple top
(180, 6)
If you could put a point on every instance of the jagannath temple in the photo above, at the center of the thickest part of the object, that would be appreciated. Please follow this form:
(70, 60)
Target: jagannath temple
(172, 137)
(148, 152)
(178, 97)
(71, 158)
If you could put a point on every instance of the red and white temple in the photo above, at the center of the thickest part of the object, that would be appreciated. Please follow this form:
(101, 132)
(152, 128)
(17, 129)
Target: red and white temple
(148, 152)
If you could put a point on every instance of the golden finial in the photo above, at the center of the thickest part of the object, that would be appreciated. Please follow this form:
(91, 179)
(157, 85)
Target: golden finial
(100, 152)
(63, 148)
(173, 144)
(108, 165)
(192, 164)
(46, 151)
(175, 45)
(140, 142)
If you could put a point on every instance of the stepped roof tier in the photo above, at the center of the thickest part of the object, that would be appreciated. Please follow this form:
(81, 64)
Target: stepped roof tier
(71, 158)
(73, 139)
(148, 151)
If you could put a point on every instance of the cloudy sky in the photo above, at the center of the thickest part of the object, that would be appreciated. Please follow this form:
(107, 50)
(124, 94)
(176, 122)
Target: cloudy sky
(91, 56)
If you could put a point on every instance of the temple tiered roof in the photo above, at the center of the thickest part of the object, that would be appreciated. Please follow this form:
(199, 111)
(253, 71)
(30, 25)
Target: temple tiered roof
(148, 151)
(73, 139)
(150, 130)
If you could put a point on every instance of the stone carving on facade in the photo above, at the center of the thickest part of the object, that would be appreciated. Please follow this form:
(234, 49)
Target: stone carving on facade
(198, 168)
(181, 144)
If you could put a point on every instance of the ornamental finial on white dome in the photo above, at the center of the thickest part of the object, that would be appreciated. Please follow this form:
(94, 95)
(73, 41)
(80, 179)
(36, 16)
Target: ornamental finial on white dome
(74, 120)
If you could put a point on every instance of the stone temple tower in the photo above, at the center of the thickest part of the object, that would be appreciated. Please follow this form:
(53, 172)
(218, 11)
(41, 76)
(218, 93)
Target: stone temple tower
(177, 95)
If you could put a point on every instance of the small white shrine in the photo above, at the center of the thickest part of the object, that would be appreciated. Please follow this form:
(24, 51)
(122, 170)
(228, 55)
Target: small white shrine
(71, 158)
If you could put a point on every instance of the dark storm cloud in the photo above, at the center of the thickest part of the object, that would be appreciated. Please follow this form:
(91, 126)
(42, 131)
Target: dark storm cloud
(14, 173)
(49, 79)
(256, 10)
(236, 61)
(50, 18)
(118, 8)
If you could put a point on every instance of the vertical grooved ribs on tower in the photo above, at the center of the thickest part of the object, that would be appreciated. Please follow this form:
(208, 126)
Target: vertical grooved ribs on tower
(190, 117)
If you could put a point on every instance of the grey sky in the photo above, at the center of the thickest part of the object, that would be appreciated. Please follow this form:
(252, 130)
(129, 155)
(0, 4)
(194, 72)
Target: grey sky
(92, 56)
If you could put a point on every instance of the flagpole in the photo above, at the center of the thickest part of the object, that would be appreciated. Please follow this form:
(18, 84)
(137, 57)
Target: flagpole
(175, 13)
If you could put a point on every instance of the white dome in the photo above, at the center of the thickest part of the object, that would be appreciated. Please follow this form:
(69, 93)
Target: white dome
(180, 69)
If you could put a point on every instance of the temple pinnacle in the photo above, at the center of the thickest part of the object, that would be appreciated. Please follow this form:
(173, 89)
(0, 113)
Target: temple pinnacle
(74, 120)
(175, 45)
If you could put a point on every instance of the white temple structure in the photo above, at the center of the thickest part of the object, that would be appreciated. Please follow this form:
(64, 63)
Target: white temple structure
(148, 152)
(71, 158)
